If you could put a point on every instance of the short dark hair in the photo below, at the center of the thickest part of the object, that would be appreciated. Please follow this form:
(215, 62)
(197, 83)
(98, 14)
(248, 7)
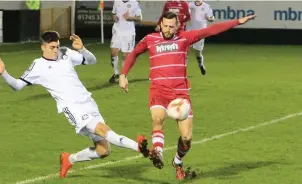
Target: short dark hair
(170, 15)
(50, 36)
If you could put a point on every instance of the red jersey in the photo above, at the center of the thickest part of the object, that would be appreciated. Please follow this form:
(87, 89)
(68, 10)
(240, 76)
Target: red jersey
(181, 8)
(168, 67)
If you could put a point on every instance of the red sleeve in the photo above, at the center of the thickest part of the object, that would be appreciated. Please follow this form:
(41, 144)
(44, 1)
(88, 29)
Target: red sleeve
(187, 12)
(140, 48)
(196, 35)
(164, 10)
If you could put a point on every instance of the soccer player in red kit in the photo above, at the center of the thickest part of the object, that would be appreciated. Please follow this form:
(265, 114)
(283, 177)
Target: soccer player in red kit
(168, 75)
(181, 8)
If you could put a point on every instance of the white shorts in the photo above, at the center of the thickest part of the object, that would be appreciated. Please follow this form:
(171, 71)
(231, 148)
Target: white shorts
(82, 114)
(125, 43)
(198, 45)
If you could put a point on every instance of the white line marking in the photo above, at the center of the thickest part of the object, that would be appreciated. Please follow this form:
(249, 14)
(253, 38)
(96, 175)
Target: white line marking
(219, 136)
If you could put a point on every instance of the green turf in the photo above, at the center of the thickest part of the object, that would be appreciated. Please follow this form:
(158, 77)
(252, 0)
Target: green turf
(245, 85)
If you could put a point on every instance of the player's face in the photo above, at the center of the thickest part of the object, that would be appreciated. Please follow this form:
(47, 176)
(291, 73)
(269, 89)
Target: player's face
(50, 50)
(169, 28)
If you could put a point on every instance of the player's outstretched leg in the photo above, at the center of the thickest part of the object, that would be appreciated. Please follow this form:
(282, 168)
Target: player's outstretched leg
(183, 146)
(103, 130)
(114, 63)
(101, 149)
(158, 139)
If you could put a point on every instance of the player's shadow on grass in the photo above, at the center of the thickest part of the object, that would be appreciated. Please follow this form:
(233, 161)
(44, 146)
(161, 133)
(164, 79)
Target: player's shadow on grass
(233, 170)
(130, 172)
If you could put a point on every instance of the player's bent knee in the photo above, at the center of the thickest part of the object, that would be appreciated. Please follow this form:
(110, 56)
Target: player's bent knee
(102, 152)
(186, 140)
(114, 52)
(97, 128)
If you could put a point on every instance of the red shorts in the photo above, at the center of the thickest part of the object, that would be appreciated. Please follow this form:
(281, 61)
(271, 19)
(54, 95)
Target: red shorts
(160, 99)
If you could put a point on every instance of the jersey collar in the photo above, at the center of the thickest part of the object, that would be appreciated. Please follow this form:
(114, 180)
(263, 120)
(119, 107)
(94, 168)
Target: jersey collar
(49, 59)
(196, 4)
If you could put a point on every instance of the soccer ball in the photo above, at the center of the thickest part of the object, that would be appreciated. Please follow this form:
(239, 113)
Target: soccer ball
(179, 109)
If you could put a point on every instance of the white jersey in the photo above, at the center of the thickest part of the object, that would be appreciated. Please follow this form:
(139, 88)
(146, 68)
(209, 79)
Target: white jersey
(59, 77)
(199, 15)
(124, 27)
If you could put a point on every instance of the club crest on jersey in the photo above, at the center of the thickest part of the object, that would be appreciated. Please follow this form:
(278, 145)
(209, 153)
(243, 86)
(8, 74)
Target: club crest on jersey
(85, 116)
(168, 47)
(64, 57)
(175, 10)
(129, 5)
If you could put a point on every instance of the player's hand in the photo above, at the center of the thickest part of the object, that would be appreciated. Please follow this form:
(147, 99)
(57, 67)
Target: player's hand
(123, 82)
(157, 29)
(126, 16)
(77, 43)
(246, 19)
(2, 66)
(115, 18)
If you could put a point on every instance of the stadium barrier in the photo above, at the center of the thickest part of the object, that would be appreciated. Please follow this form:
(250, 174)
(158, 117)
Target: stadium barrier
(20, 25)
(278, 22)
(58, 19)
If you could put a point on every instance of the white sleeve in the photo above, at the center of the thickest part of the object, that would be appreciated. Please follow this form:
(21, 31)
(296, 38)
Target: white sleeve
(81, 57)
(75, 57)
(114, 11)
(209, 12)
(137, 10)
(31, 75)
(15, 84)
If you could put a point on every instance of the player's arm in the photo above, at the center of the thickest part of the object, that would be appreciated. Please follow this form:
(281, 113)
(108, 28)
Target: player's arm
(82, 56)
(140, 48)
(114, 11)
(15, 84)
(196, 35)
(209, 15)
(137, 17)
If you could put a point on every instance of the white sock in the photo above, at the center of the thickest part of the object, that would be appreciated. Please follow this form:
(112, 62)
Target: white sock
(177, 160)
(114, 60)
(158, 140)
(201, 60)
(121, 141)
(84, 155)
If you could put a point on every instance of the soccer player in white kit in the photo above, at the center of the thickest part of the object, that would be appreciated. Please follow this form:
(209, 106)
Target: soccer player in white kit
(201, 12)
(55, 72)
(125, 13)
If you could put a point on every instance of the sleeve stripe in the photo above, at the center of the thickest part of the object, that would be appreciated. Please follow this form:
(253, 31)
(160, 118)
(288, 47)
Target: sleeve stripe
(83, 62)
(27, 82)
